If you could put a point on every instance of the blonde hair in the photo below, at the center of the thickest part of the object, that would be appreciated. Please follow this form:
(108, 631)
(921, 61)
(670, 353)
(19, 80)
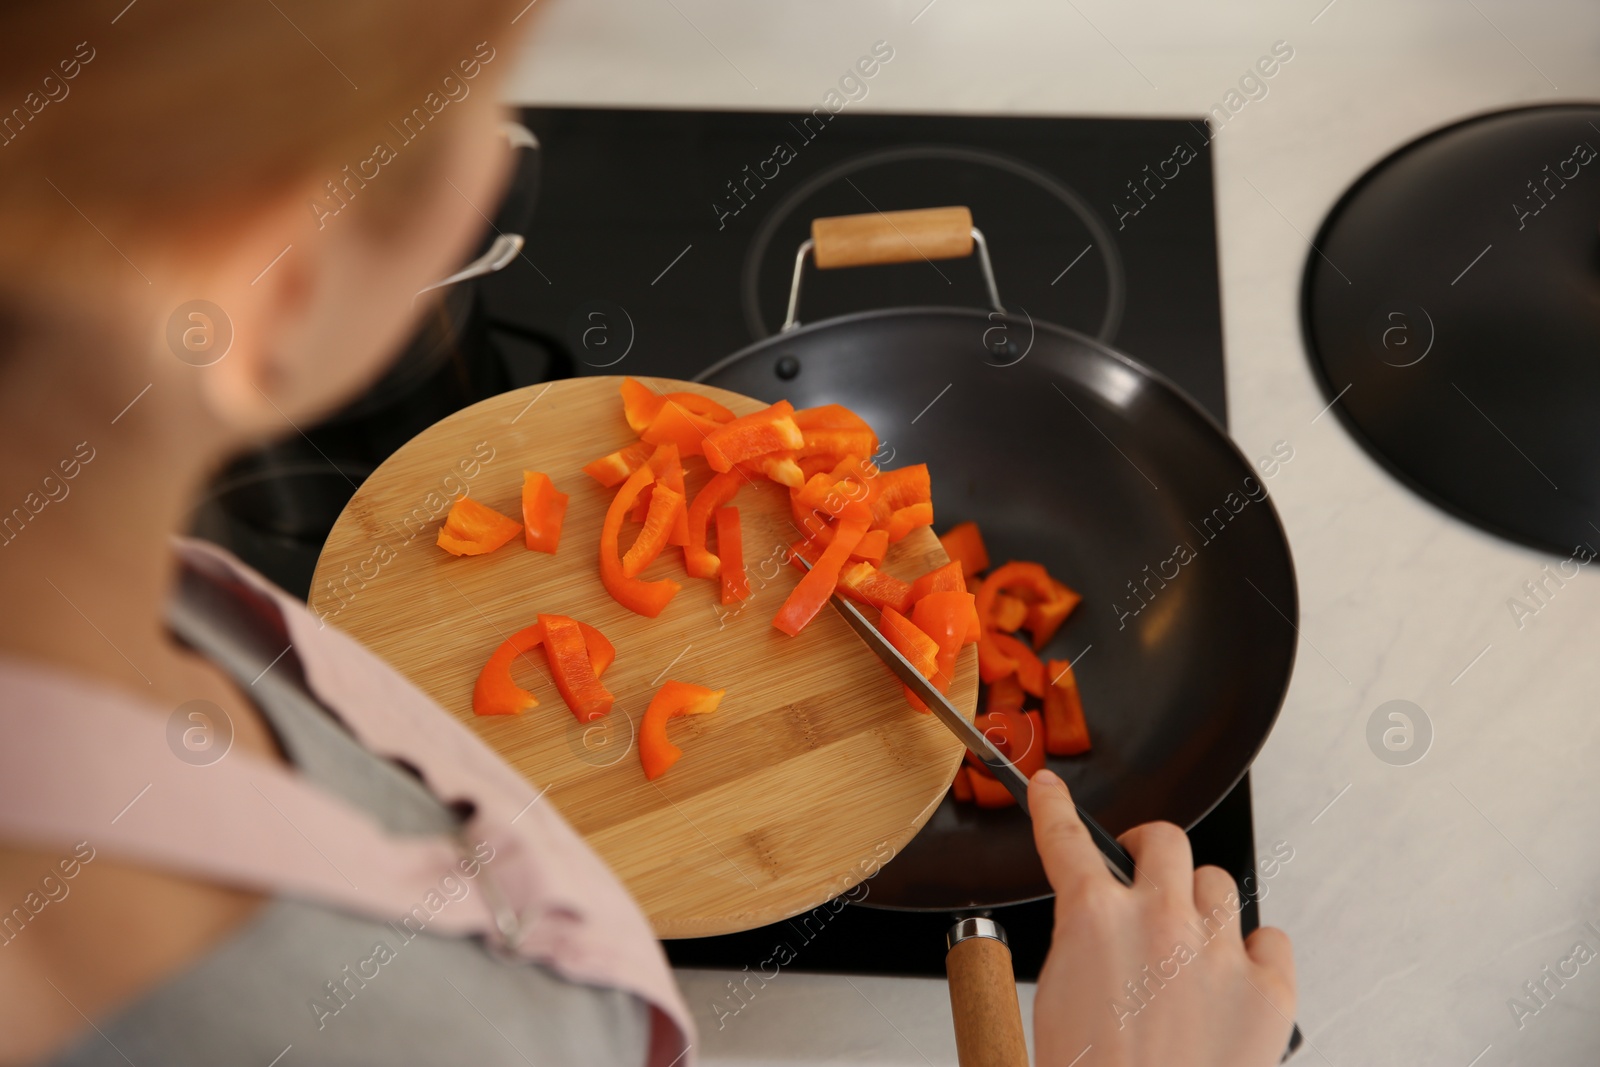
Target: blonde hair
(150, 127)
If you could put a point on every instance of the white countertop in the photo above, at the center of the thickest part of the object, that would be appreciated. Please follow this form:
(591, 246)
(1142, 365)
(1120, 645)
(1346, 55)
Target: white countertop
(1426, 895)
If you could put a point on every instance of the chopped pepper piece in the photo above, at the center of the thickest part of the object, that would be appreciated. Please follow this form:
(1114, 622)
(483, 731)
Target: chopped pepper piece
(472, 529)
(1030, 672)
(1005, 694)
(543, 510)
(863, 582)
(699, 561)
(835, 417)
(635, 594)
(570, 666)
(1046, 616)
(495, 693)
(945, 618)
(817, 584)
(908, 518)
(730, 553)
(920, 650)
(613, 469)
(964, 544)
(771, 429)
(1066, 733)
(669, 472)
(901, 488)
(961, 786)
(666, 507)
(656, 753)
(1010, 612)
(675, 424)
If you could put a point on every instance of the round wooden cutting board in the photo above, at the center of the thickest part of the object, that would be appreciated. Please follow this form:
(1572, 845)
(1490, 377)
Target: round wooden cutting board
(812, 774)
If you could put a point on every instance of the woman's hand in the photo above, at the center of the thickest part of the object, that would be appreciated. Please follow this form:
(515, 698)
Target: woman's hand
(1154, 974)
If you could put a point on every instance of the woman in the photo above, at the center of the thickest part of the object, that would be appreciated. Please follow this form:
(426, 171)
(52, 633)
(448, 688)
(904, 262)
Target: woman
(214, 219)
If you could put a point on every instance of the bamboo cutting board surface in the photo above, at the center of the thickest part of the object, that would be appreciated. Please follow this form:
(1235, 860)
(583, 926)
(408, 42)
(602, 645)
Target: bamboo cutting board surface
(811, 775)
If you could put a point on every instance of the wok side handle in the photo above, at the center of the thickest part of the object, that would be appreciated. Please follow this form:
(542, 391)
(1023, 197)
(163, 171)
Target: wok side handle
(891, 237)
(983, 996)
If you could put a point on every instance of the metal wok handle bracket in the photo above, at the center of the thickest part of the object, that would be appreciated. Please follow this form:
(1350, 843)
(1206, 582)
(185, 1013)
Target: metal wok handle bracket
(890, 237)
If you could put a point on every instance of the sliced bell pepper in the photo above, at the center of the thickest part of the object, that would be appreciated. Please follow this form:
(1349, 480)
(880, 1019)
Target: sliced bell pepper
(945, 618)
(771, 429)
(1010, 612)
(920, 650)
(613, 469)
(817, 584)
(666, 507)
(699, 561)
(730, 554)
(640, 403)
(1030, 671)
(961, 785)
(656, 753)
(993, 664)
(669, 472)
(964, 544)
(495, 693)
(780, 467)
(872, 547)
(903, 487)
(908, 518)
(1007, 730)
(543, 510)
(1046, 616)
(635, 594)
(472, 529)
(1066, 733)
(1005, 694)
(835, 417)
(863, 582)
(942, 579)
(852, 478)
(811, 466)
(675, 424)
(837, 442)
(987, 792)
(572, 670)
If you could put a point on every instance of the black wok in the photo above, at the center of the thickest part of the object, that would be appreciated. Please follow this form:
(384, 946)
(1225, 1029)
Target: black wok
(1071, 454)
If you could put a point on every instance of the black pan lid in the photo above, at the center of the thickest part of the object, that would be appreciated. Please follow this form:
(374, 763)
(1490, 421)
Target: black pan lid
(1451, 308)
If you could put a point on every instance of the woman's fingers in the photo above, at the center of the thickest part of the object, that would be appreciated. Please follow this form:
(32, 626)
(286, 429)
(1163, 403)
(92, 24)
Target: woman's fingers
(1165, 864)
(1071, 860)
(1270, 949)
(1216, 898)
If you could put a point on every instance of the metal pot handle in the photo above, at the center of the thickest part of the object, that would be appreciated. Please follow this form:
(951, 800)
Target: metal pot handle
(891, 237)
(506, 246)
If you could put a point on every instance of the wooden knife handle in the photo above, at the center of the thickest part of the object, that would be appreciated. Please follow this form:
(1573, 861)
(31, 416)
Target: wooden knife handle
(891, 237)
(983, 996)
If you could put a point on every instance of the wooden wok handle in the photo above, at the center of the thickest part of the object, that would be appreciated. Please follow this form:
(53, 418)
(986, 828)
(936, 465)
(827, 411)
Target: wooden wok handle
(891, 237)
(983, 996)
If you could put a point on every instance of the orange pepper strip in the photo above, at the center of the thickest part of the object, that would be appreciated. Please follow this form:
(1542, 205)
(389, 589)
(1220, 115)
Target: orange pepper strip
(1007, 730)
(1005, 695)
(920, 650)
(1010, 613)
(942, 579)
(902, 488)
(574, 674)
(635, 594)
(640, 403)
(494, 693)
(730, 553)
(865, 583)
(699, 561)
(1046, 616)
(908, 518)
(669, 472)
(613, 469)
(811, 466)
(944, 617)
(472, 529)
(675, 424)
(543, 510)
(961, 786)
(656, 753)
(1030, 671)
(817, 584)
(834, 417)
(665, 508)
(771, 429)
(987, 791)
(1066, 733)
(964, 544)
(779, 467)
(837, 442)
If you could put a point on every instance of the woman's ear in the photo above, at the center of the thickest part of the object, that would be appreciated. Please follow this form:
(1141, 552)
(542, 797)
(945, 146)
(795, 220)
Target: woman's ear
(258, 291)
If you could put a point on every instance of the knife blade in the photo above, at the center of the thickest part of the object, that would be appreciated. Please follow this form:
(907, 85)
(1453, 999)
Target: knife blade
(1116, 857)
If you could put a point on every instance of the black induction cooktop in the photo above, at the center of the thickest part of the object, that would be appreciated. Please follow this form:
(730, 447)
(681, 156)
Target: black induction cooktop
(664, 241)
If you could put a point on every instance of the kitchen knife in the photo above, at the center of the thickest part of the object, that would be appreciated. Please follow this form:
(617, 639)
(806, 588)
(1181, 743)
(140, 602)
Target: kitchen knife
(1116, 856)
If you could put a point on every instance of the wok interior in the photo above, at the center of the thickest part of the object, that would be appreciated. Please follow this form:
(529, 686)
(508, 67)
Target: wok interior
(1084, 462)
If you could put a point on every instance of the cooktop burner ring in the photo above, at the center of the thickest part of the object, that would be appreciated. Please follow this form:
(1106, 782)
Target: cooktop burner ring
(1103, 241)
